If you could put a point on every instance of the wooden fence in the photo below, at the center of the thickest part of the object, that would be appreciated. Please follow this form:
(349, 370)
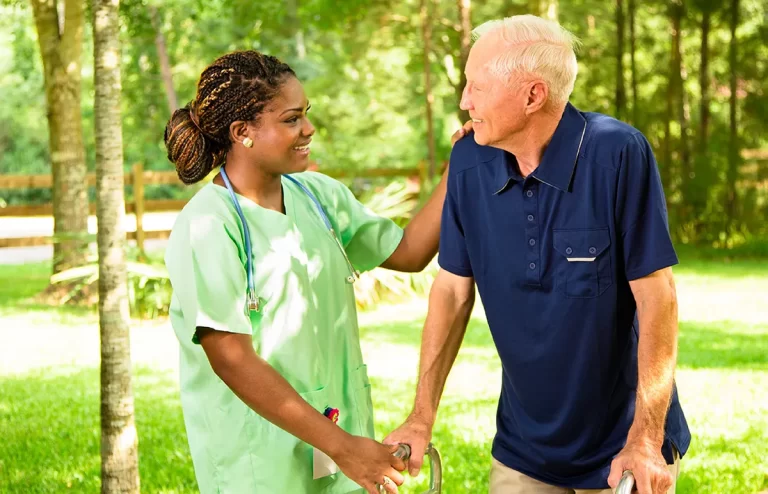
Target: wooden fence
(138, 178)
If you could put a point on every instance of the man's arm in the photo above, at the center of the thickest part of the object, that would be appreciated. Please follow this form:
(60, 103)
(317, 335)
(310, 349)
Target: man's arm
(656, 300)
(450, 304)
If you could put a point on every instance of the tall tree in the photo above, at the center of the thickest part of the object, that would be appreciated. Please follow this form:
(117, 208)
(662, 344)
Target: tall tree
(162, 56)
(544, 8)
(119, 442)
(426, 36)
(632, 66)
(61, 46)
(465, 43)
(706, 15)
(733, 142)
(293, 25)
(621, 95)
(677, 71)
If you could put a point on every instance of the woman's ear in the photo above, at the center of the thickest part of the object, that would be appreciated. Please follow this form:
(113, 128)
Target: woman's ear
(238, 131)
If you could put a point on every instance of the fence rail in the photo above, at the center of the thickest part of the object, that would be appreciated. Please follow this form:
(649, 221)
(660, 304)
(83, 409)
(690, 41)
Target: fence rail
(138, 178)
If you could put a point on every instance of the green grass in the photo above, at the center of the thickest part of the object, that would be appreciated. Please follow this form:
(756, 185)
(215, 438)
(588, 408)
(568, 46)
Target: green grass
(49, 389)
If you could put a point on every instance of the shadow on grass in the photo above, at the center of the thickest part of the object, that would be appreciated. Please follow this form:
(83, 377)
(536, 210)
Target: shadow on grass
(723, 345)
(50, 433)
(409, 333)
(715, 465)
(702, 345)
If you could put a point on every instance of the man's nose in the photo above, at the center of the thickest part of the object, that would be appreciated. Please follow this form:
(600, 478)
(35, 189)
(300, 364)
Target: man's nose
(466, 100)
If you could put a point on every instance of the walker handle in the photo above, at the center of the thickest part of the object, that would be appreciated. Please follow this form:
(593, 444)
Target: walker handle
(435, 465)
(626, 484)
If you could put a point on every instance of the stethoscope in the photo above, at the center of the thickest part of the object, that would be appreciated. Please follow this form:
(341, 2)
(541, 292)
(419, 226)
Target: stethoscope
(253, 299)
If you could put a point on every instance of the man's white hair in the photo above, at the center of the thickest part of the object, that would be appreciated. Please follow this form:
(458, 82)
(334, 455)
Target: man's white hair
(534, 47)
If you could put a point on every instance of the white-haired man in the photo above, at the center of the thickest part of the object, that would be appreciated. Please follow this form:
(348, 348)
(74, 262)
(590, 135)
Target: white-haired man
(559, 217)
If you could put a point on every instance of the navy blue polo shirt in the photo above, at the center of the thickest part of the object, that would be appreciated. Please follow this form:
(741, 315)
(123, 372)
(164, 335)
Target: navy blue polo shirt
(552, 255)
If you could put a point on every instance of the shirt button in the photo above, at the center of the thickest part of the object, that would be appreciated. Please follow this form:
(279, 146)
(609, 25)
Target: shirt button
(530, 217)
(529, 193)
(532, 265)
(532, 242)
(569, 251)
(592, 250)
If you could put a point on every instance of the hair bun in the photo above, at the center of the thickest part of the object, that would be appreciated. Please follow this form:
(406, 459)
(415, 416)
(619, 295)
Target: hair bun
(193, 153)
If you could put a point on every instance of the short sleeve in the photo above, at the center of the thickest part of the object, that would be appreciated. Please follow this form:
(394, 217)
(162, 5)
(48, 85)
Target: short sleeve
(207, 276)
(453, 256)
(368, 239)
(641, 212)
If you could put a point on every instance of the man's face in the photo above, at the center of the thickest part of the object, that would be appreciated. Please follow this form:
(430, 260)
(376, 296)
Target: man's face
(497, 109)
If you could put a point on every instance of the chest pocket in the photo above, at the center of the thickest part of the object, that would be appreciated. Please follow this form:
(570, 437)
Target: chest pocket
(583, 261)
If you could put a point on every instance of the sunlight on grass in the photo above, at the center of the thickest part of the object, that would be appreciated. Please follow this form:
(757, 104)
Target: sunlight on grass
(49, 379)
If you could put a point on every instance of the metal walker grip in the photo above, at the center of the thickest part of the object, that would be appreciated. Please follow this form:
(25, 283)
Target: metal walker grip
(626, 484)
(435, 465)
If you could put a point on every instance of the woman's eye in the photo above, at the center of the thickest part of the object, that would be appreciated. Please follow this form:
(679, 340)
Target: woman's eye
(293, 120)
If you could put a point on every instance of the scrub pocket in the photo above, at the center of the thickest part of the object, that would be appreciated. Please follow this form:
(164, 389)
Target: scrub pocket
(583, 266)
(363, 402)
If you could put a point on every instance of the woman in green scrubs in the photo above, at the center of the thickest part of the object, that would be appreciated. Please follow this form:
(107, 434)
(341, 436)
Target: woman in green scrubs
(274, 390)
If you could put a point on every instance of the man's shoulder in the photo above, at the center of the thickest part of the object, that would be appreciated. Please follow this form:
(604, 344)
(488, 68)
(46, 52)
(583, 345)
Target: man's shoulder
(464, 154)
(606, 137)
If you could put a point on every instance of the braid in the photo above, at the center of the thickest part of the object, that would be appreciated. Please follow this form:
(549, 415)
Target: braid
(237, 86)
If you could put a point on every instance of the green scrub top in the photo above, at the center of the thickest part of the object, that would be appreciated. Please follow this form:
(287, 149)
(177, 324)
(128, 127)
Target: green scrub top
(306, 327)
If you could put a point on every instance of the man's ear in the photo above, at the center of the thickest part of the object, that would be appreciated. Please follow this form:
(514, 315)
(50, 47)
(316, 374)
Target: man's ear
(538, 93)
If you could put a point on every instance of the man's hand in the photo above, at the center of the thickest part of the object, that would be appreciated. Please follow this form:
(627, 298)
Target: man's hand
(415, 432)
(647, 465)
(461, 132)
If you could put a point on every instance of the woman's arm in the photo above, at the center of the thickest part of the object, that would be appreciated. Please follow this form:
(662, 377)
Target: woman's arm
(262, 388)
(422, 235)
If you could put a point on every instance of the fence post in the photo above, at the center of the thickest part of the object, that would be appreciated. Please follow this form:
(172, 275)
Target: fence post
(138, 200)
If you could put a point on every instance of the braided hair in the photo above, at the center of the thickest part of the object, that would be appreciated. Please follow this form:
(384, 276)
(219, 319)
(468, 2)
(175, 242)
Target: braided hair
(236, 87)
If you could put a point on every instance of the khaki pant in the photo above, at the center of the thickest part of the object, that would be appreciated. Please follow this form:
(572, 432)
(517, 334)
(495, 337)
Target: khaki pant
(504, 480)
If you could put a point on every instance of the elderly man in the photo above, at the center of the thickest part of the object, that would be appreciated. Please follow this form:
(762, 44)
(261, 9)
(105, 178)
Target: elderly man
(559, 217)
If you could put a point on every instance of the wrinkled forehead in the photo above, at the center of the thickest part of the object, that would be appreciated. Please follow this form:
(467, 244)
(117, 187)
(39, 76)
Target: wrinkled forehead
(485, 49)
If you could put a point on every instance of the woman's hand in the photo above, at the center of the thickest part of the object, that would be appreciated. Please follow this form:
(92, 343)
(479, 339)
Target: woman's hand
(461, 132)
(370, 464)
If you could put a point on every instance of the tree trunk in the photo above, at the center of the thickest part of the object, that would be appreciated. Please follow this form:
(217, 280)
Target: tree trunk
(704, 83)
(633, 68)
(165, 64)
(733, 143)
(621, 95)
(61, 47)
(426, 33)
(666, 167)
(294, 26)
(544, 8)
(678, 70)
(119, 442)
(465, 36)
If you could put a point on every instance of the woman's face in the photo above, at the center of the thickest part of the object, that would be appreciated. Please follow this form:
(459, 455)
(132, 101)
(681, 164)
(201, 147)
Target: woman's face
(282, 135)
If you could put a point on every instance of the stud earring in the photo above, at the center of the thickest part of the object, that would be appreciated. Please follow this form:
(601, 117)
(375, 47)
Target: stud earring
(248, 142)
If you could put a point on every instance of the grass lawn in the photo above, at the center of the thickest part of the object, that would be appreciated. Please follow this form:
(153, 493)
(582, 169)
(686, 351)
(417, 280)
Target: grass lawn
(49, 389)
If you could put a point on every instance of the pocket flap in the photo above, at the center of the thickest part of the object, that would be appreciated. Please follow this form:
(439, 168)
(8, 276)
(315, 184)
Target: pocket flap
(581, 245)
